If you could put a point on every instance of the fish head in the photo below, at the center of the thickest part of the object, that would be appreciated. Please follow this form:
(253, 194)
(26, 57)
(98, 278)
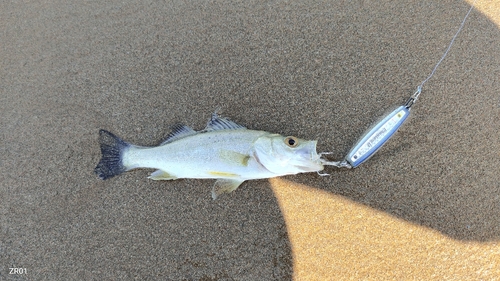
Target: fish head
(287, 155)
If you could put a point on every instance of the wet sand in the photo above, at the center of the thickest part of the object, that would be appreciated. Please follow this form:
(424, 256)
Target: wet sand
(425, 207)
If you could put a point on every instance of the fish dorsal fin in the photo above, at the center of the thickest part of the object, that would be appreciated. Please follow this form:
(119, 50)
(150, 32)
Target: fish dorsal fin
(178, 132)
(221, 123)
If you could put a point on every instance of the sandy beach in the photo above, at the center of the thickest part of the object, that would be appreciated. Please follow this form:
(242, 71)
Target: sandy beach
(425, 207)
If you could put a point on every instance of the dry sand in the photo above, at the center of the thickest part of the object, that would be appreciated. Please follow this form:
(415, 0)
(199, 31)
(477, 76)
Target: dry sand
(427, 206)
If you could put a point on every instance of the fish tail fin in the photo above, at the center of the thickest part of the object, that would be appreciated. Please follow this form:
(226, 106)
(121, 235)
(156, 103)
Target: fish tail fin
(112, 148)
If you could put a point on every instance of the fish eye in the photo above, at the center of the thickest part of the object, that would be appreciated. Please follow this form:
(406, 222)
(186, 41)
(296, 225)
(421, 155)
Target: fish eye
(291, 141)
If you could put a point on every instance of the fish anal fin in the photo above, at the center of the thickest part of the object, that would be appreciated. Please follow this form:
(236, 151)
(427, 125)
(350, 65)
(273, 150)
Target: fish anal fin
(234, 157)
(225, 186)
(161, 175)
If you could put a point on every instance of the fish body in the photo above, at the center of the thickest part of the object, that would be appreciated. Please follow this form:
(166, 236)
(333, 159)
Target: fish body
(224, 150)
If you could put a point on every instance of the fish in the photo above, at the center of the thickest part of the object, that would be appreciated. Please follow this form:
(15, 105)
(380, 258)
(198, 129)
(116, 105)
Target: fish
(225, 151)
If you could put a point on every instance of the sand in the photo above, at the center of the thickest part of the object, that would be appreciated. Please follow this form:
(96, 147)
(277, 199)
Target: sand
(426, 206)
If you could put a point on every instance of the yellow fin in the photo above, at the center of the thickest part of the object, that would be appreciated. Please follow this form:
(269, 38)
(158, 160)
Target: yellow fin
(234, 157)
(223, 174)
(224, 186)
(161, 175)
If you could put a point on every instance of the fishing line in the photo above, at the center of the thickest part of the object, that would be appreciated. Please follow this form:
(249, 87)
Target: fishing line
(449, 46)
(380, 132)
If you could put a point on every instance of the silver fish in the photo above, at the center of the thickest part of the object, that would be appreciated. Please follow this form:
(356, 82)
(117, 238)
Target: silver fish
(224, 150)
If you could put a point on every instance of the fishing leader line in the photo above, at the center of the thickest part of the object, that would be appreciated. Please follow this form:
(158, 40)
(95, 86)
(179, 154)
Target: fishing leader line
(419, 88)
(380, 132)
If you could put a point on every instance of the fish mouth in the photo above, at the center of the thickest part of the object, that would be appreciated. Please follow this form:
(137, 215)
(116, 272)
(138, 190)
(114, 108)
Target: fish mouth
(309, 166)
(309, 152)
(310, 159)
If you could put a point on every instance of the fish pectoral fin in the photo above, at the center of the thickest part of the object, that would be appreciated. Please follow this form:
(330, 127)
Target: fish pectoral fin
(233, 157)
(224, 186)
(161, 175)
